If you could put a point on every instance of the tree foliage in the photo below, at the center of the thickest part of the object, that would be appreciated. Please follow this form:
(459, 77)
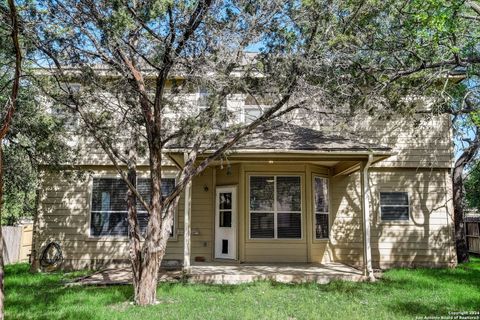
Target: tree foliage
(35, 136)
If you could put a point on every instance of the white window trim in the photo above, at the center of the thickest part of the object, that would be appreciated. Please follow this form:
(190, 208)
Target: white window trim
(275, 211)
(199, 95)
(408, 205)
(90, 237)
(243, 113)
(315, 212)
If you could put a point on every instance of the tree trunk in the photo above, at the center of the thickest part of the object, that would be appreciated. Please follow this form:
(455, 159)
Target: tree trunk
(133, 225)
(4, 130)
(146, 260)
(458, 216)
(152, 256)
(458, 197)
(34, 256)
(2, 296)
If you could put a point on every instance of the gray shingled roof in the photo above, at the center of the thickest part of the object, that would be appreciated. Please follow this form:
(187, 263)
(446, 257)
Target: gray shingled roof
(282, 136)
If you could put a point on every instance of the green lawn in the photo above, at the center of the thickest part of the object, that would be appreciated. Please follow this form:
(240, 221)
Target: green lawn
(401, 294)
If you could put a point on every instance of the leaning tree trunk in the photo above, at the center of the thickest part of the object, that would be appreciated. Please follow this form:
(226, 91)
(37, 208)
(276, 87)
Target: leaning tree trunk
(458, 198)
(5, 126)
(2, 295)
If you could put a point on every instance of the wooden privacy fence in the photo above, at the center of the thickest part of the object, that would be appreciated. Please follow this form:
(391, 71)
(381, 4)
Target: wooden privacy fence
(17, 243)
(473, 237)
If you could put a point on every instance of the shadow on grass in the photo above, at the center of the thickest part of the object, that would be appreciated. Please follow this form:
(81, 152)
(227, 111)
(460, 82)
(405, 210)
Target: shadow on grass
(44, 296)
(401, 292)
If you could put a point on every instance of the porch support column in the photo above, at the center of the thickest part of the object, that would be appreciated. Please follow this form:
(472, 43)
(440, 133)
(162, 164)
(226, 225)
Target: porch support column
(367, 250)
(187, 228)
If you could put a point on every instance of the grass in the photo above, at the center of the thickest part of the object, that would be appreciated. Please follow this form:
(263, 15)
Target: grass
(401, 294)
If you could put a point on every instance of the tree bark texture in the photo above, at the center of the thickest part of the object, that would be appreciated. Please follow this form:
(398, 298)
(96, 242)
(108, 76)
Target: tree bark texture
(11, 104)
(458, 197)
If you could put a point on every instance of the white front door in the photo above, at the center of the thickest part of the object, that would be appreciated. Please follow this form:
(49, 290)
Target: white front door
(226, 223)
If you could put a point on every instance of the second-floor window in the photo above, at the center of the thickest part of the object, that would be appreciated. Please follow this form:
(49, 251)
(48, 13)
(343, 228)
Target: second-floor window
(202, 99)
(67, 116)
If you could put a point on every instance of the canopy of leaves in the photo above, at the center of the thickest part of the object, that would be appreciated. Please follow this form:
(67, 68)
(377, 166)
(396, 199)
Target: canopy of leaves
(35, 136)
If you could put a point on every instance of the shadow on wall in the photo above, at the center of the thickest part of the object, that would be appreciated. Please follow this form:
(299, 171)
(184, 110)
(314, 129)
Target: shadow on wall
(421, 158)
(64, 217)
(426, 239)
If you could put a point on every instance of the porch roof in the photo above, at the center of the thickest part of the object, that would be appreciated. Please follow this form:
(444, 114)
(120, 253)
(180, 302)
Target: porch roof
(281, 142)
(283, 137)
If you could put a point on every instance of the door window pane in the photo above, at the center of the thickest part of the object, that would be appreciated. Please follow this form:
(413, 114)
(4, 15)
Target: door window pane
(225, 219)
(225, 199)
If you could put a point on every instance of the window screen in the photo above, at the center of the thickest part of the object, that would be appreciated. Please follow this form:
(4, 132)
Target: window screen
(109, 205)
(394, 206)
(275, 207)
(321, 207)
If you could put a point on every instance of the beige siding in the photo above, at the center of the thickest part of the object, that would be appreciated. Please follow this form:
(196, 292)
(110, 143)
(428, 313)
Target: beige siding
(426, 239)
(64, 212)
(422, 140)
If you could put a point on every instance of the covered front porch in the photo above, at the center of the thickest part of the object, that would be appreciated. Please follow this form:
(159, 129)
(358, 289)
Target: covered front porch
(222, 273)
(270, 202)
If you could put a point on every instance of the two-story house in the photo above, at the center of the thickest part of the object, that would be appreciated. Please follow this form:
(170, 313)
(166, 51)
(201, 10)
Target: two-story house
(376, 194)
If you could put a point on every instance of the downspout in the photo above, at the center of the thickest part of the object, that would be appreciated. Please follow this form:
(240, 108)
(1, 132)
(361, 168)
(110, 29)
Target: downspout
(187, 228)
(367, 253)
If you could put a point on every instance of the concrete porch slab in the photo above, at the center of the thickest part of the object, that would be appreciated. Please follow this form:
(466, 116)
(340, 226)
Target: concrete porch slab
(286, 273)
(217, 273)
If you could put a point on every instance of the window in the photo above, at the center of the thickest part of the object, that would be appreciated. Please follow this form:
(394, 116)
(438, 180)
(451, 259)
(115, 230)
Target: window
(251, 113)
(275, 207)
(202, 99)
(109, 206)
(67, 116)
(394, 206)
(247, 114)
(320, 187)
